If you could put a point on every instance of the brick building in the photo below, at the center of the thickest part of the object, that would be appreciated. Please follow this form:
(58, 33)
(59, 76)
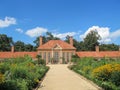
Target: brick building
(56, 51)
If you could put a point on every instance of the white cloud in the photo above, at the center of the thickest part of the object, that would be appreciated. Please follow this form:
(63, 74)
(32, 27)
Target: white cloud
(36, 31)
(7, 22)
(104, 32)
(63, 35)
(115, 34)
(19, 30)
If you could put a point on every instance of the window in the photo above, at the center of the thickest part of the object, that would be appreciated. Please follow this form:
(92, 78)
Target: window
(56, 57)
(44, 56)
(40, 54)
(49, 57)
(63, 55)
(67, 56)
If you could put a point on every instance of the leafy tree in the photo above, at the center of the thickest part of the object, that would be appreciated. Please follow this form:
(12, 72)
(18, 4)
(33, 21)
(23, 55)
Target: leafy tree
(67, 39)
(5, 42)
(19, 46)
(91, 40)
(81, 46)
(28, 47)
(40, 60)
(109, 47)
(45, 38)
(78, 45)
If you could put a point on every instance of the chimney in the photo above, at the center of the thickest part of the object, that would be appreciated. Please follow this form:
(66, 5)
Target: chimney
(40, 41)
(12, 49)
(119, 48)
(71, 40)
(97, 48)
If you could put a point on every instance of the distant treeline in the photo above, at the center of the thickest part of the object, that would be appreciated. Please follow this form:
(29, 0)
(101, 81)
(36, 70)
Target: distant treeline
(88, 43)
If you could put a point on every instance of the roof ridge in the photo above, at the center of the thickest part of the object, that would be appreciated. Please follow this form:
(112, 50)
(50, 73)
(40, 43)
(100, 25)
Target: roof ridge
(50, 44)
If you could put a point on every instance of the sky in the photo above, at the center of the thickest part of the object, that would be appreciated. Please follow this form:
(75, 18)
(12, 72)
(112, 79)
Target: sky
(25, 20)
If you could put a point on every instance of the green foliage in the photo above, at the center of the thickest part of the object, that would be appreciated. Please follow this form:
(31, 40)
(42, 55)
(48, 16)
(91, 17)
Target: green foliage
(115, 78)
(76, 43)
(21, 74)
(29, 47)
(75, 59)
(18, 84)
(105, 72)
(40, 60)
(21, 46)
(45, 38)
(5, 42)
(109, 47)
(91, 40)
(4, 67)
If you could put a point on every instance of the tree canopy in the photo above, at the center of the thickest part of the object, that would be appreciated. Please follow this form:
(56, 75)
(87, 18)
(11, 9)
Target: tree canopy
(91, 40)
(46, 38)
(21, 46)
(5, 42)
(109, 47)
(88, 43)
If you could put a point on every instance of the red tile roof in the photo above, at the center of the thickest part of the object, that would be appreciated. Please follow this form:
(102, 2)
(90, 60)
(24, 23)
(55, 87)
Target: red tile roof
(51, 44)
(17, 54)
(99, 54)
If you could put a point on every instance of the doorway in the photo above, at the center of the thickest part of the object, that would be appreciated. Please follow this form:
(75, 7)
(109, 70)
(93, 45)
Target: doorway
(56, 57)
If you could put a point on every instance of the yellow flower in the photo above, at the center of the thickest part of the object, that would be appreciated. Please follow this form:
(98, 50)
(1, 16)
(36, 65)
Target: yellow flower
(2, 78)
(105, 71)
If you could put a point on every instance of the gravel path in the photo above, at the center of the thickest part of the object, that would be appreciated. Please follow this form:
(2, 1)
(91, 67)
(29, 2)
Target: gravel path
(59, 77)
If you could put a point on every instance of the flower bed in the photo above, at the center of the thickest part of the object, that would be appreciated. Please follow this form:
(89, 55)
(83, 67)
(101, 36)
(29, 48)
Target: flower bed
(20, 74)
(105, 72)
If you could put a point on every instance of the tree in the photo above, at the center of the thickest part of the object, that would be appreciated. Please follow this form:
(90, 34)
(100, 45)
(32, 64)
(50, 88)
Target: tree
(76, 43)
(109, 47)
(19, 46)
(40, 60)
(45, 38)
(91, 40)
(5, 42)
(28, 47)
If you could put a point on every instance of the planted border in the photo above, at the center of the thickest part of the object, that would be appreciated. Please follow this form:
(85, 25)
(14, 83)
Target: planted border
(105, 72)
(21, 74)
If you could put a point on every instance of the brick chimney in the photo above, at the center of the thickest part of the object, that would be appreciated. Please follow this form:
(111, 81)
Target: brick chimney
(71, 40)
(119, 48)
(97, 48)
(12, 49)
(40, 41)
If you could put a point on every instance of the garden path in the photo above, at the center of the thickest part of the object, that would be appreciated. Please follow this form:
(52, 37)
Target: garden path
(59, 77)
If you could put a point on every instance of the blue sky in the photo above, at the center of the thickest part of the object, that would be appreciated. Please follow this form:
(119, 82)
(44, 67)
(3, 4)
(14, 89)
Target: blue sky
(26, 19)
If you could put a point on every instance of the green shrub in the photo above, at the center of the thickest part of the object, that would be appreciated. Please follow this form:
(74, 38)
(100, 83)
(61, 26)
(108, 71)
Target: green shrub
(104, 72)
(20, 74)
(42, 62)
(109, 86)
(17, 84)
(4, 67)
(115, 78)
(2, 78)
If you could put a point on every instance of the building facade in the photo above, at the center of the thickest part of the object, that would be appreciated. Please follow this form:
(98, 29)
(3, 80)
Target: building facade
(56, 51)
